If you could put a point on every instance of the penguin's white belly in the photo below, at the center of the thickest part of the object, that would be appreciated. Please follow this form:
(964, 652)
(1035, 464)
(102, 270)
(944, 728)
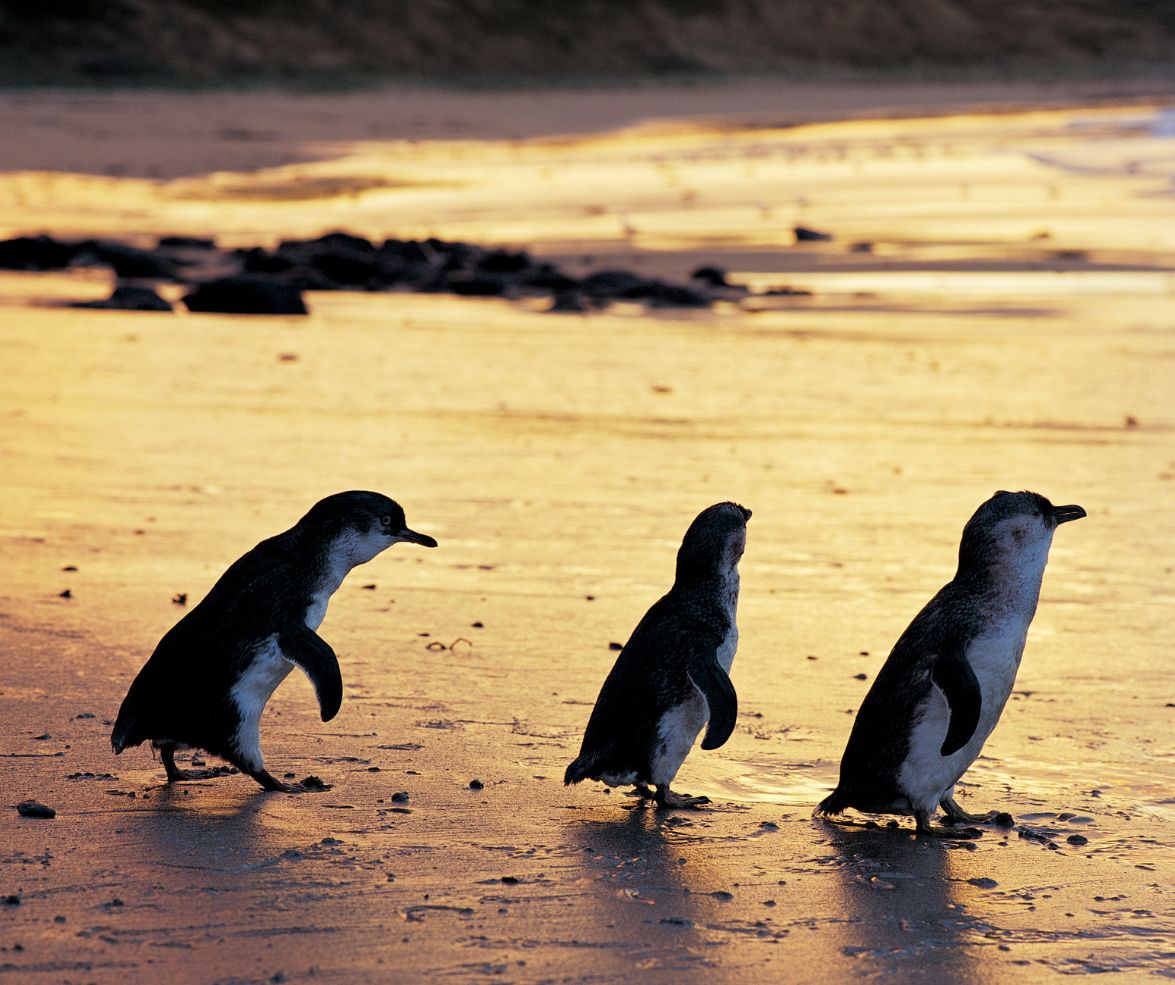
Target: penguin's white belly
(728, 647)
(926, 776)
(316, 610)
(681, 725)
(676, 734)
(268, 668)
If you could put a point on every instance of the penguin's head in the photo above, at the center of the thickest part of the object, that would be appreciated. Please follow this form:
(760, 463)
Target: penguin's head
(714, 542)
(1012, 528)
(361, 524)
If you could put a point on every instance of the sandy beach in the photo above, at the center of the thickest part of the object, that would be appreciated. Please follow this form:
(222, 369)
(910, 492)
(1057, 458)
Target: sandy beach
(1008, 326)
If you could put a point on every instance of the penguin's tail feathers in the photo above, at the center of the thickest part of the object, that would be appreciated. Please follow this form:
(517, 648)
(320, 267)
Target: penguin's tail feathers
(580, 769)
(834, 803)
(125, 733)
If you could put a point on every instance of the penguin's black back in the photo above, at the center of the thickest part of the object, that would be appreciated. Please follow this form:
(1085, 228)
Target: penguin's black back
(182, 692)
(880, 737)
(648, 679)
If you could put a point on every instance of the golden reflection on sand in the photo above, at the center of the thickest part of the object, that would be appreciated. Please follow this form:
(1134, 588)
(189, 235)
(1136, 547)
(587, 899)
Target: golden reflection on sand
(558, 458)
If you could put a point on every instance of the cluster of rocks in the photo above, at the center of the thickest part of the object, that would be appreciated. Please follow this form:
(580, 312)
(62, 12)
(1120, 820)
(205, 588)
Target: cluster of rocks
(272, 281)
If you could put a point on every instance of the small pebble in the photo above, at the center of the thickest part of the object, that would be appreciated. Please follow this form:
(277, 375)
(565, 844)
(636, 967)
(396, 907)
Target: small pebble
(1004, 820)
(314, 783)
(400, 797)
(1077, 840)
(476, 785)
(983, 882)
(510, 880)
(614, 646)
(12, 899)
(67, 594)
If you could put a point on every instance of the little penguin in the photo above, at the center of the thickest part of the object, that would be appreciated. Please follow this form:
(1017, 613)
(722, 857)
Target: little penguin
(671, 677)
(943, 687)
(207, 682)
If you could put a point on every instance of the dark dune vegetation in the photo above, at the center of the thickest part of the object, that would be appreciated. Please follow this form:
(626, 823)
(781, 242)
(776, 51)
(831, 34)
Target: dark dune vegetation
(219, 41)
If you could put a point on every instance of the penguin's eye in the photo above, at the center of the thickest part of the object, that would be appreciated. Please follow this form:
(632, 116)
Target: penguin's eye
(386, 520)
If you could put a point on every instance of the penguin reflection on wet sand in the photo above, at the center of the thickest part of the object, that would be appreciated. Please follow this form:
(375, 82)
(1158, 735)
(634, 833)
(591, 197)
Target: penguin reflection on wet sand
(942, 689)
(207, 682)
(672, 675)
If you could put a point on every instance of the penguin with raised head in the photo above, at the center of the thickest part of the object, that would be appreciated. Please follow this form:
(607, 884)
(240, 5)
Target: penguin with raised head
(207, 682)
(671, 678)
(944, 685)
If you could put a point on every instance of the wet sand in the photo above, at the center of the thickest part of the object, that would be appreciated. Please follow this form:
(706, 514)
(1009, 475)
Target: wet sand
(558, 458)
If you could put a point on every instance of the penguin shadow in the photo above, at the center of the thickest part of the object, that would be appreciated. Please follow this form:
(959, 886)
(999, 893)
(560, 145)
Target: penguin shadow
(639, 868)
(897, 896)
(227, 835)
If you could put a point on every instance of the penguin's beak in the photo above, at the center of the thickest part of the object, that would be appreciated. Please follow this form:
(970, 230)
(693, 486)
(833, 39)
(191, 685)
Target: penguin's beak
(1063, 514)
(424, 540)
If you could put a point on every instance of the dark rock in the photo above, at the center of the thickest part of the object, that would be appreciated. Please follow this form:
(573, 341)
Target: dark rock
(983, 882)
(400, 798)
(127, 298)
(307, 279)
(259, 261)
(504, 262)
(35, 253)
(315, 783)
(32, 808)
(510, 880)
(615, 647)
(353, 268)
(711, 276)
(477, 285)
(546, 277)
(126, 261)
(804, 234)
(613, 284)
(1077, 840)
(476, 785)
(186, 243)
(345, 241)
(1004, 820)
(246, 295)
(409, 252)
(12, 899)
(787, 292)
(675, 296)
(568, 301)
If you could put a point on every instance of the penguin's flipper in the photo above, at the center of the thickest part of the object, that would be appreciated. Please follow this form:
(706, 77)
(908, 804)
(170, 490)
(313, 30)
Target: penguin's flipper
(954, 677)
(313, 654)
(711, 680)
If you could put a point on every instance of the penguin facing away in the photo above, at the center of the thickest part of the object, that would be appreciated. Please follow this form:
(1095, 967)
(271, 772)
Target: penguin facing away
(208, 681)
(672, 675)
(944, 685)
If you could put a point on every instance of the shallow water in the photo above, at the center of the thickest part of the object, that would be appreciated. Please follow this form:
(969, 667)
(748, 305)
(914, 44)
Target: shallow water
(558, 458)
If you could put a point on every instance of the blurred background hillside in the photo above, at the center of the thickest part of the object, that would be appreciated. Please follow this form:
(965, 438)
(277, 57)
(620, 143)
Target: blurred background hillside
(355, 41)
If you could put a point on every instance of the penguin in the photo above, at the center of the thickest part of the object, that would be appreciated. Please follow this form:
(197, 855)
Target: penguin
(943, 687)
(671, 677)
(207, 682)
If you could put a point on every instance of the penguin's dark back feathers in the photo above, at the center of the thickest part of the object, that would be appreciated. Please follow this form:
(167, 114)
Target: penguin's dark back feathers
(650, 673)
(879, 740)
(203, 654)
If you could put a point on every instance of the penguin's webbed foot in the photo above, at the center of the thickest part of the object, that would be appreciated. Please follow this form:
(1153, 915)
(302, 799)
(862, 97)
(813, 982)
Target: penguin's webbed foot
(924, 827)
(667, 798)
(956, 815)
